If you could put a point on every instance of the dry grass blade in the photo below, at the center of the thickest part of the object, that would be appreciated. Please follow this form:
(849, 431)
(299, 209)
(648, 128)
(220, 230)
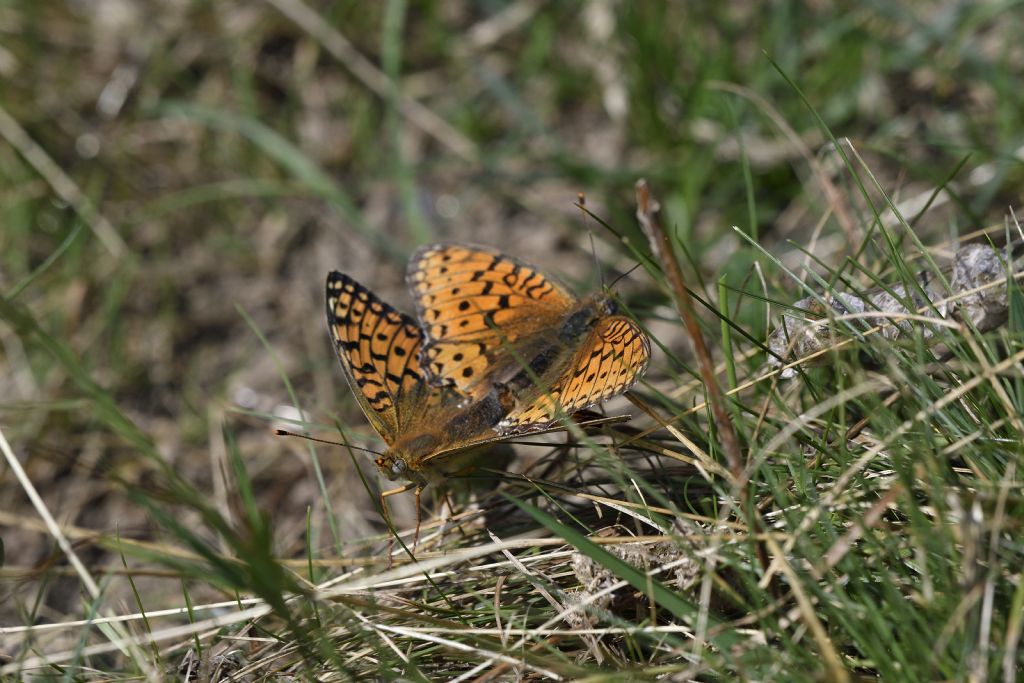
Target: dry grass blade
(52, 527)
(647, 209)
(459, 646)
(155, 614)
(209, 627)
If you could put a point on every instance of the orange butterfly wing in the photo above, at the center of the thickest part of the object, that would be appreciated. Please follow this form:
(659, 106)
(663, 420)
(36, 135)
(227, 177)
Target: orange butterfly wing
(379, 351)
(480, 310)
(608, 363)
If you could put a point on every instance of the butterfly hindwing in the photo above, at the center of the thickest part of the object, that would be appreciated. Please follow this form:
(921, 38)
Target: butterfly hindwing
(608, 363)
(379, 351)
(472, 301)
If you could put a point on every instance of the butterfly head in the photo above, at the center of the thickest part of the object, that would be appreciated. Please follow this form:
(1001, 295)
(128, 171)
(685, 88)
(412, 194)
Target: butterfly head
(583, 318)
(399, 462)
(603, 304)
(392, 466)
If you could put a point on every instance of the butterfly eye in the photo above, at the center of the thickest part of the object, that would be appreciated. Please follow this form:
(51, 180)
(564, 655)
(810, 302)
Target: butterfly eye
(609, 307)
(398, 466)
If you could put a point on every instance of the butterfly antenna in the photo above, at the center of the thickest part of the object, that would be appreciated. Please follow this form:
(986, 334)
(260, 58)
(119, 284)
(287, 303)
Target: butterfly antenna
(623, 275)
(581, 204)
(285, 432)
(597, 261)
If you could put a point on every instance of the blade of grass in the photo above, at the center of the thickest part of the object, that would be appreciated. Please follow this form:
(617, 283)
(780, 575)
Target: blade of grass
(290, 157)
(314, 458)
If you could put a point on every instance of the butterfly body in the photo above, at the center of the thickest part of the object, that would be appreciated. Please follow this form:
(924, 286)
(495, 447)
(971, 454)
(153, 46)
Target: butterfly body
(493, 323)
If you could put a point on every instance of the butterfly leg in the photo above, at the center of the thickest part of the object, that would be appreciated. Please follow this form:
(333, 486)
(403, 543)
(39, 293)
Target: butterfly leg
(452, 521)
(448, 517)
(419, 517)
(446, 499)
(387, 515)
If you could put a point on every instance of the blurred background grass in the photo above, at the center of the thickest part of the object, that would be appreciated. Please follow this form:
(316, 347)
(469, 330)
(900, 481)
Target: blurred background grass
(164, 165)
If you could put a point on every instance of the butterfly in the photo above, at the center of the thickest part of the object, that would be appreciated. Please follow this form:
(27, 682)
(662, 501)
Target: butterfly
(424, 426)
(494, 325)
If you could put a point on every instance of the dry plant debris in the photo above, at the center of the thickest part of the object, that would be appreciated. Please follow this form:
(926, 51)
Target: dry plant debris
(971, 289)
(670, 562)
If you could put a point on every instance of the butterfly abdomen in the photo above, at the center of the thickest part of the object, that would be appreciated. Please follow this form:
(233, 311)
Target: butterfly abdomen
(577, 324)
(479, 415)
(535, 369)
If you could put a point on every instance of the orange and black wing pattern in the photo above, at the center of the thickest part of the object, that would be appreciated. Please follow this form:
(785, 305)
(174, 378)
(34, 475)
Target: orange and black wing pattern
(475, 304)
(379, 351)
(610, 360)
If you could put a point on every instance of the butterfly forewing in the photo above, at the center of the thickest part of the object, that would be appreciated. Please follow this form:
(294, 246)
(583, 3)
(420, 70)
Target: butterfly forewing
(475, 303)
(379, 351)
(609, 362)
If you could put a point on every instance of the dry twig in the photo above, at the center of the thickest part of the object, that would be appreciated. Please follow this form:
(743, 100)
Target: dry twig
(646, 213)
